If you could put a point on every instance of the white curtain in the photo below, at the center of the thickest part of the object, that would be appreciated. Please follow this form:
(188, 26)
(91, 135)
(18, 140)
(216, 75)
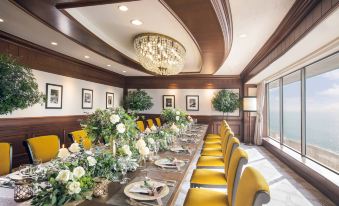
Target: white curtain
(259, 123)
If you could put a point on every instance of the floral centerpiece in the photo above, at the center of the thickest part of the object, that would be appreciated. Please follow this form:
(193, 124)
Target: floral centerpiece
(175, 116)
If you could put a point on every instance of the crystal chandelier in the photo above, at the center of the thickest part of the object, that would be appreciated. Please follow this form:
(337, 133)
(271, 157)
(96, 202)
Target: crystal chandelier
(159, 53)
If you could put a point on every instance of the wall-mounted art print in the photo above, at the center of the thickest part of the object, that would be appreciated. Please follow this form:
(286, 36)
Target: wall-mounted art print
(109, 100)
(54, 96)
(87, 98)
(192, 102)
(168, 101)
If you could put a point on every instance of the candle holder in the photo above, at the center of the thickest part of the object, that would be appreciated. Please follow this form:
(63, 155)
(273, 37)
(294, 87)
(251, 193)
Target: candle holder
(100, 188)
(23, 190)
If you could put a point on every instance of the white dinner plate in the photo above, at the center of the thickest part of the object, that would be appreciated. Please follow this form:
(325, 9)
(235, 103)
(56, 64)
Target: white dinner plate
(163, 163)
(138, 196)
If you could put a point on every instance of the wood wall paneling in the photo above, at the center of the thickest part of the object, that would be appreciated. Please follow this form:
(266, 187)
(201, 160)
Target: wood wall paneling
(17, 130)
(301, 19)
(248, 134)
(43, 59)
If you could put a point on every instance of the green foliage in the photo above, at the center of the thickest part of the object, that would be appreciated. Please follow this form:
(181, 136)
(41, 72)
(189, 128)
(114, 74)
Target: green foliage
(18, 87)
(138, 101)
(175, 116)
(226, 101)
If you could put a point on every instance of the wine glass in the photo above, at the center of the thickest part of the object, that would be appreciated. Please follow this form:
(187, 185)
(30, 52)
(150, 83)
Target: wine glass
(123, 172)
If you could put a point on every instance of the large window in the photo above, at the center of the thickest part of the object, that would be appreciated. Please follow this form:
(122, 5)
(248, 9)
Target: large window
(274, 105)
(308, 111)
(292, 110)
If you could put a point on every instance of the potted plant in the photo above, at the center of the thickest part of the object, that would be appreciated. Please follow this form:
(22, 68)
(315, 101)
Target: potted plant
(18, 87)
(226, 101)
(138, 100)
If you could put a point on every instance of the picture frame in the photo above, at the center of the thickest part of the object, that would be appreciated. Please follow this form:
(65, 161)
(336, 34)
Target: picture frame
(87, 98)
(109, 100)
(54, 93)
(168, 101)
(192, 102)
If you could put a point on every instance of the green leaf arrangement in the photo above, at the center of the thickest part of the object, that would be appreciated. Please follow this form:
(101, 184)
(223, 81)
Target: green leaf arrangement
(226, 101)
(18, 87)
(138, 101)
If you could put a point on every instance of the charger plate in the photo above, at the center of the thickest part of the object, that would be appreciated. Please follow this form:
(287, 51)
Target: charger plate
(138, 196)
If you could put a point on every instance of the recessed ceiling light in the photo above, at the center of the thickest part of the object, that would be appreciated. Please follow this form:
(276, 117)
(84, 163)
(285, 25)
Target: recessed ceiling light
(54, 43)
(124, 71)
(123, 8)
(243, 35)
(136, 22)
(1, 20)
(87, 57)
(108, 65)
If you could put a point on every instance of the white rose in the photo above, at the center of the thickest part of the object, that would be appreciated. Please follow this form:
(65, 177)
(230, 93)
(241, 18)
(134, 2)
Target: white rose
(91, 161)
(63, 153)
(74, 188)
(144, 151)
(151, 141)
(178, 113)
(89, 152)
(140, 144)
(154, 128)
(78, 172)
(64, 176)
(177, 118)
(121, 128)
(115, 118)
(147, 130)
(74, 148)
(127, 150)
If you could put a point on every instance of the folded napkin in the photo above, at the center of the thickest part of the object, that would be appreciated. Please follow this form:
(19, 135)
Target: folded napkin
(145, 190)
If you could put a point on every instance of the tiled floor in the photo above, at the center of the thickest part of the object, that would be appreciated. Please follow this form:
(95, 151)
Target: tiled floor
(286, 187)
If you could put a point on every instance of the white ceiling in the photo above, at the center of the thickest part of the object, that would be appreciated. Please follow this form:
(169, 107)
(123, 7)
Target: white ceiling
(114, 27)
(257, 20)
(322, 41)
(19, 23)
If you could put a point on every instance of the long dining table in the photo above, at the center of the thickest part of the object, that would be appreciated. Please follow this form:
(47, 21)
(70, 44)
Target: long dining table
(174, 178)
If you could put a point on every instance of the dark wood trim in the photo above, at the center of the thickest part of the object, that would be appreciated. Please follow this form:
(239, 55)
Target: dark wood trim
(327, 187)
(48, 14)
(43, 59)
(82, 3)
(300, 20)
(17, 130)
(184, 82)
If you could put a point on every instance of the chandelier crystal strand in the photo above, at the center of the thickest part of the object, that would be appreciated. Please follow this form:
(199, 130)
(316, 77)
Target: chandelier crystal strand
(159, 53)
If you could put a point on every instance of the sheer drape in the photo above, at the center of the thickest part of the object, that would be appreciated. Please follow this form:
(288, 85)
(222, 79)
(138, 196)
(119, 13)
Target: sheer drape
(259, 123)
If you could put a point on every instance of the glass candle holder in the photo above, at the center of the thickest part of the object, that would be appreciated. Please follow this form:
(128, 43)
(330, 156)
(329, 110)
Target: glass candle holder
(23, 190)
(100, 188)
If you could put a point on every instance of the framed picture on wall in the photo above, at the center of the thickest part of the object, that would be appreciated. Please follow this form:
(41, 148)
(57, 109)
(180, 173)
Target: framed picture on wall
(54, 96)
(87, 98)
(168, 101)
(109, 100)
(192, 102)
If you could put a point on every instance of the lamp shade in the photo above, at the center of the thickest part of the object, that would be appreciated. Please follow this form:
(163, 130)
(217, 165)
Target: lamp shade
(249, 104)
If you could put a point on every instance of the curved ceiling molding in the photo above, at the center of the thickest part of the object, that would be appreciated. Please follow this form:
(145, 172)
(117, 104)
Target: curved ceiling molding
(210, 24)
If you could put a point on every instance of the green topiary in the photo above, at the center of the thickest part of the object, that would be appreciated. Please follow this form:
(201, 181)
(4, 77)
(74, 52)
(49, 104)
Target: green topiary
(226, 101)
(138, 101)
(18, 87)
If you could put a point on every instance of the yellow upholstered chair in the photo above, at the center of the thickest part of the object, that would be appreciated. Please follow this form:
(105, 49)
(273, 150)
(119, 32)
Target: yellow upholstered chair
(79, 135)
(217, 136)
(44, 148)
(218, 179)
(150, 123)
(5, 158)
(141, 126)
(210, 162)
(213, 150)
(158, 121)
(252, 190)
(216, 143)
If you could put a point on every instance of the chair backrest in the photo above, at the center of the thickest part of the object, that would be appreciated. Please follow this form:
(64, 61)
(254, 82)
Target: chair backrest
(44, 148)
(253, 189)
(158, 121)
(141, 126)
(222, 128)
(6, 158)
(150, 123)
(239, 158)
(79, 135)
(232, 144)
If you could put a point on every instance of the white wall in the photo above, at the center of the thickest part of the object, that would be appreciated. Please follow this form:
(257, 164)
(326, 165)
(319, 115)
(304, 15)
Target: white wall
(205, 97)
(72, 94)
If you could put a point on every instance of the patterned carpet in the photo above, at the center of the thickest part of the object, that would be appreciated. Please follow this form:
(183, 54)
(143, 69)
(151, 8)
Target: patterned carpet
(286, 187)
